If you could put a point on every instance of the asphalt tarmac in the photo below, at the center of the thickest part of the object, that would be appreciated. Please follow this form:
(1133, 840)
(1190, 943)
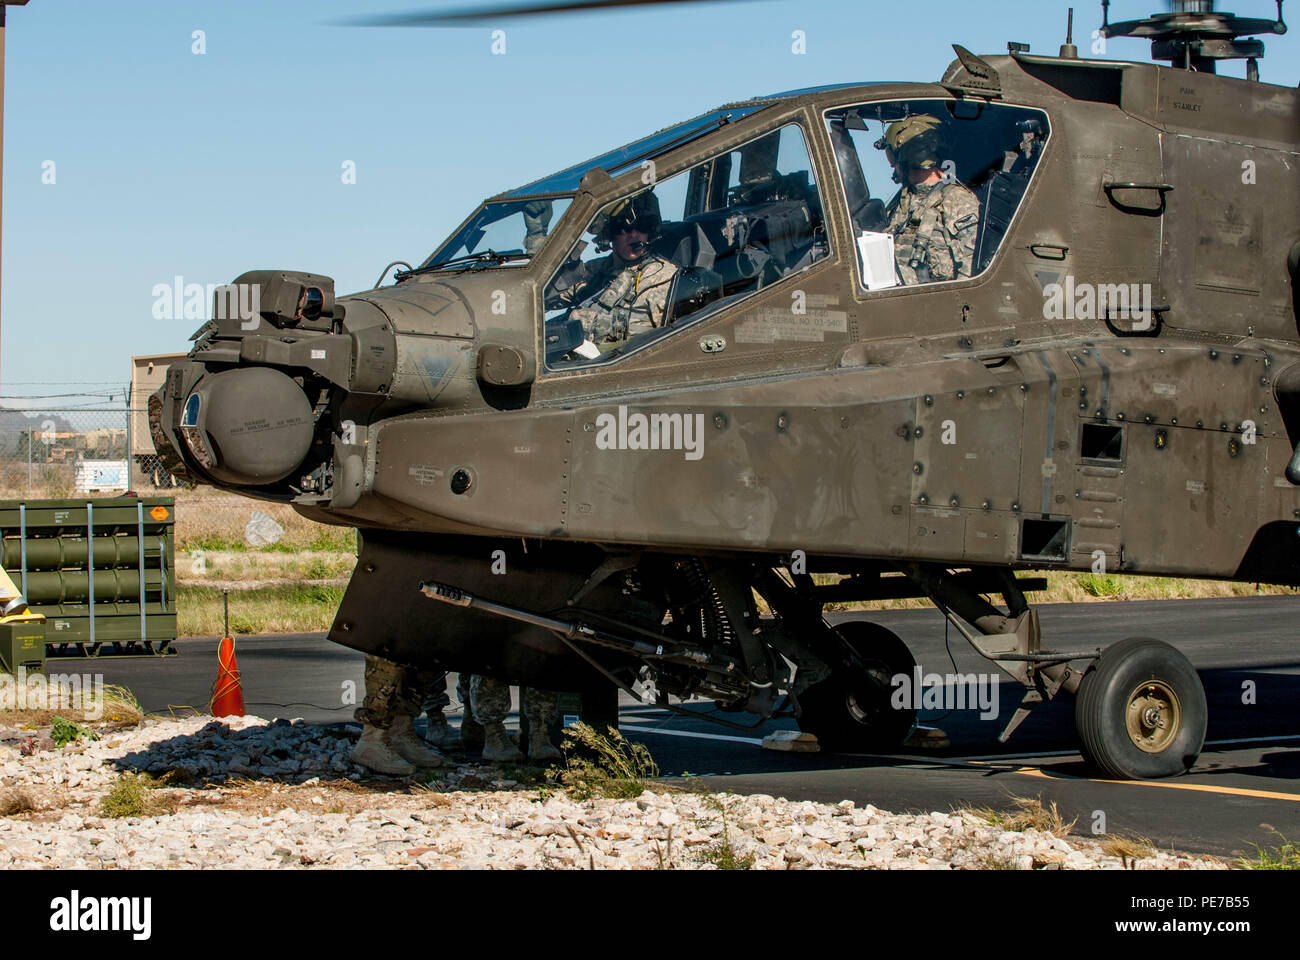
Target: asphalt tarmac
(1247, 651)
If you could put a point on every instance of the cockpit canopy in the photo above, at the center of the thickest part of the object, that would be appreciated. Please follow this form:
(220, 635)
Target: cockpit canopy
(511, 228)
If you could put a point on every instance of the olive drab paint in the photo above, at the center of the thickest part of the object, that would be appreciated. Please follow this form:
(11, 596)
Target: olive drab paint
(917, 439)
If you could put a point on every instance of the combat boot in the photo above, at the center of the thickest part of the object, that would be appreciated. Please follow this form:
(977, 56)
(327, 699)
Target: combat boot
(439, 733)
(403, 738)
(375, 753)
(497, 746)
(540, 748)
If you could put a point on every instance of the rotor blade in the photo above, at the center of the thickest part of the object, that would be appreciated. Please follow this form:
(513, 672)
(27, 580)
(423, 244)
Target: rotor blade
(433, 18)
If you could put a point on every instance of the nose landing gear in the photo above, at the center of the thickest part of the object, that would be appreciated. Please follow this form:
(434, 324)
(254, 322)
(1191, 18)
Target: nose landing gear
(1141, 711)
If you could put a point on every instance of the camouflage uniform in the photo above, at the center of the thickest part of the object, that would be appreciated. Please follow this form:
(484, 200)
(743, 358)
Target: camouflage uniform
(934, 229)
(491, 702)
(615, 299)
(436, 701)
(394, 695)
(392, 690)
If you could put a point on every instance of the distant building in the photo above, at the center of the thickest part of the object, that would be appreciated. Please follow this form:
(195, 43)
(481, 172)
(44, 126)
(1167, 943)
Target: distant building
(147, 375)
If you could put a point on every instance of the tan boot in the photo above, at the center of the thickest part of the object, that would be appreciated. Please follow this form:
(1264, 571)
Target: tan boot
(497, 746)
(540, 748)
(375, 753)
(403, 738)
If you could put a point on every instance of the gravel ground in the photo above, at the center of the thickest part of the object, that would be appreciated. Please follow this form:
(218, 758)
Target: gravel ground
(258, 793)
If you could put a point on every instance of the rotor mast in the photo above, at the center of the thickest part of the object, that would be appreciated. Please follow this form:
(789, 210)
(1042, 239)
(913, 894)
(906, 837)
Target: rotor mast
(1195, 37)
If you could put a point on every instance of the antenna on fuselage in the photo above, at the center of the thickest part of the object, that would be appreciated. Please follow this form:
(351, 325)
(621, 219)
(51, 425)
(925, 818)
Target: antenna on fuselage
(1068, 50)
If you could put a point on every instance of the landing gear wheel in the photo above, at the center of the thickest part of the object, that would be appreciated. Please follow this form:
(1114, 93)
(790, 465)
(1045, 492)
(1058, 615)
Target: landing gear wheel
(1140, 712)
(845, 711)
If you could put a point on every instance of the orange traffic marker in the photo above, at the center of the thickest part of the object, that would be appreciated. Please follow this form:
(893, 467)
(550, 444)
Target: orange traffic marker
(228, 694)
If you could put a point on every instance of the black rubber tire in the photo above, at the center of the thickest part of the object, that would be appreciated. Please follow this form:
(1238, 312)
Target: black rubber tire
(1100, 710)
(837, 710)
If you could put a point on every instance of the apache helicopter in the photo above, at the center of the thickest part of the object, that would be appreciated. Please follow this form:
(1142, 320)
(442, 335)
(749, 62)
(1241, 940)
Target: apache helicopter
(1110, 382)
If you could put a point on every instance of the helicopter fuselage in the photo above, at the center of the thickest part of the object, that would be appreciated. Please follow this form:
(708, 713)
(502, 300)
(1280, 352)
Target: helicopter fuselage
(1019, 418)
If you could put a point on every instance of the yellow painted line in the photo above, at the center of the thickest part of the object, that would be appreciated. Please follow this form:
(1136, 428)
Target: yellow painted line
(1199, 787)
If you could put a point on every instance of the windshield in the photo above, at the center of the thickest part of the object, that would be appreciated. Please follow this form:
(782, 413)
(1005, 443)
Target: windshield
(516, 228)
(616, 161)
(513, 229)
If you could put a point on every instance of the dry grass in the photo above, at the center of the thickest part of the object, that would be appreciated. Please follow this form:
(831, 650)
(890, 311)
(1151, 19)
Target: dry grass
(431, 793)
(604, 765)
(278, 609)
(209, 519)
(121, 707)
(248, 569)
(1129, 850)
(16, 800)
(1027, 813)
(28, 719)
(118, 710)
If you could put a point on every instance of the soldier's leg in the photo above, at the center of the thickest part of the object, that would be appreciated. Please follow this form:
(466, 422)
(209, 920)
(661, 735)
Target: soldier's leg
(540, 706)
(491, 701)
(412, 687)
(435, 704)
(376, 713)
(471, 731)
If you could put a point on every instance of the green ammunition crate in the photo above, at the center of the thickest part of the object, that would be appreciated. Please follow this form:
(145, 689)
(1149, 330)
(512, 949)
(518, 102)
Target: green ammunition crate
(22, 644)
(101, 571)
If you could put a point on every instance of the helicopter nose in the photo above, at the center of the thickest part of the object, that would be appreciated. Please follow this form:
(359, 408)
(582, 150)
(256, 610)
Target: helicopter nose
(249, 426)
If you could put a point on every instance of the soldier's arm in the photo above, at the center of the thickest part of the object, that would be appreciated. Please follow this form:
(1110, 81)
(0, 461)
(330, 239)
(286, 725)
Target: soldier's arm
(652, 298)
(962, 221)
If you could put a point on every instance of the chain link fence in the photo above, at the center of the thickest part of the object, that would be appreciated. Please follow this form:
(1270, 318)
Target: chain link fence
(75, 451)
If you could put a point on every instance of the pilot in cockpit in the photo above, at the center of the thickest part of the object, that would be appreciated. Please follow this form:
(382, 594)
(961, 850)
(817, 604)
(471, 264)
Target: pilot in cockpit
(625, 293)
(935, 218)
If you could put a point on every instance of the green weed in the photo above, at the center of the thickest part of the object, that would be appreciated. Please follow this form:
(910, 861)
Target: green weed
(1285, 857)
(722, 853)
(129, 797)
(64, 732)
(604, 765)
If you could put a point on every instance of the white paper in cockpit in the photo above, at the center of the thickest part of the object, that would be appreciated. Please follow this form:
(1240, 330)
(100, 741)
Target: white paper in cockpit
(877, 254)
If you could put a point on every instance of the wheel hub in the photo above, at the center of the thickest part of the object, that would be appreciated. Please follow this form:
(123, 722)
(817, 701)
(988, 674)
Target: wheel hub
(864, 706)
(1153, 716)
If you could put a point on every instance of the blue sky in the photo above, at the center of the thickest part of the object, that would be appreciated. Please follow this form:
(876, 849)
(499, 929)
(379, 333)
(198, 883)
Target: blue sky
(170, 163)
